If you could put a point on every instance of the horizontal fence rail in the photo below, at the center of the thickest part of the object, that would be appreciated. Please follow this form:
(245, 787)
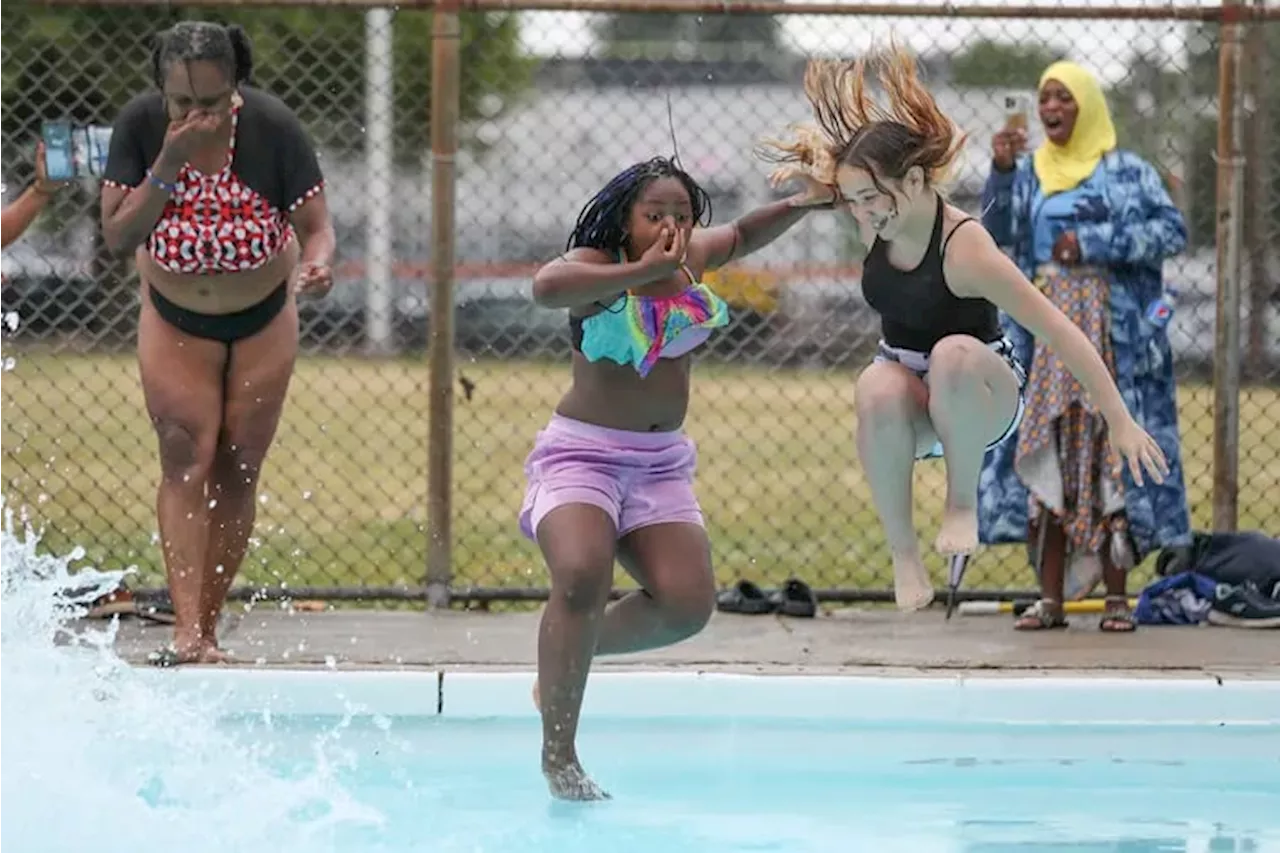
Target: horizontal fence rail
(1133, 12)
(459, 142)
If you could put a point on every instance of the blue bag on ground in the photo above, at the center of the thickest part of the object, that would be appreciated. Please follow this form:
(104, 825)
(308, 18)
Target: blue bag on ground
(1182, 599)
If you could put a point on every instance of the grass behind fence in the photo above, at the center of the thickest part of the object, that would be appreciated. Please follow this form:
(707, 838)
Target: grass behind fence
(344, 491)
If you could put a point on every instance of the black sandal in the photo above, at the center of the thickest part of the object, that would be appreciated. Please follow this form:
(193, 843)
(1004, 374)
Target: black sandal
(744, 598)
(795, 599)
(1046, 614)
(1117, 618)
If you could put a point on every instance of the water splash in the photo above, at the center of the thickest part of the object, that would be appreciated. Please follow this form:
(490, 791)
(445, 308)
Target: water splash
(9, 324)
(101, 756)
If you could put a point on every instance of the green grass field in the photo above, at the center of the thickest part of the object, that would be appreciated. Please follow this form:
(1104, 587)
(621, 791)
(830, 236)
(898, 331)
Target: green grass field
(344, 492)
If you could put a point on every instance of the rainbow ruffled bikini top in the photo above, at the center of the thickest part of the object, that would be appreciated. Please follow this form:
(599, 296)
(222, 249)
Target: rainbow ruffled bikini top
(639, 330)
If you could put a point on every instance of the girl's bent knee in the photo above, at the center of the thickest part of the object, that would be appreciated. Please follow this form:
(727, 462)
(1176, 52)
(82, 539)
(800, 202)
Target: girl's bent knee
(688, 615)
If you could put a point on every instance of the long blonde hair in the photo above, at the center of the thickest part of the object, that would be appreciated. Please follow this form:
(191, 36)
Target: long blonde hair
(853, 129)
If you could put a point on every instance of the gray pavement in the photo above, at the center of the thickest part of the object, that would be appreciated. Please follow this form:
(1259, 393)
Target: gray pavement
(844, 640)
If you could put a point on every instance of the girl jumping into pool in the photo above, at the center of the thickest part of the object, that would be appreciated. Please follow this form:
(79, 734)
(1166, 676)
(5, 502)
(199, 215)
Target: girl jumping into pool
(944, 381)
(611, 476)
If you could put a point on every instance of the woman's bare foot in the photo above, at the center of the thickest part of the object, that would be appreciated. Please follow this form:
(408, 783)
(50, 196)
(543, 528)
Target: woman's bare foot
(537, 696)
(912, 589)
(187, 647)
(568, 781)
(210, 653)
(959, 531)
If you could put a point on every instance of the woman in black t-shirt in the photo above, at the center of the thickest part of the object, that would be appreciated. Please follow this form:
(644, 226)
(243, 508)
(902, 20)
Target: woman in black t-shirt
(215, 189)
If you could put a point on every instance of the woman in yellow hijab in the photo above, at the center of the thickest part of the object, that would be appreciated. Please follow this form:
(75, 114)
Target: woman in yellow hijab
(1091, 224)
(1077, 125)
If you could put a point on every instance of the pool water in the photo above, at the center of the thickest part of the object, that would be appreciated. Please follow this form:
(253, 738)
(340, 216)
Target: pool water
(104, 757)
(691, 785)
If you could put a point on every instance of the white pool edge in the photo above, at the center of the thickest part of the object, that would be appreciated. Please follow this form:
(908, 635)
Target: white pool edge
(867, 699)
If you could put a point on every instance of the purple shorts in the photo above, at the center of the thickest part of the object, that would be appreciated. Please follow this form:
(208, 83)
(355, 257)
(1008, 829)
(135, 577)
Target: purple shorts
(638, 478)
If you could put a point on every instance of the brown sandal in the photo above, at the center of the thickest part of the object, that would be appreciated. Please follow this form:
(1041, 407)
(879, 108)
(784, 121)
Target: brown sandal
(1117, 618)
(1045, 614)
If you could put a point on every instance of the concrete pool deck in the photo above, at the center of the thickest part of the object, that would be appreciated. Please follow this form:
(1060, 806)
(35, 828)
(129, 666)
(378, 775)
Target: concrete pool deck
(847, 640)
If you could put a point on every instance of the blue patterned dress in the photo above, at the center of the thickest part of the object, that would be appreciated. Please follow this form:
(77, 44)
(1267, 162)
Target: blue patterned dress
(1127, 227)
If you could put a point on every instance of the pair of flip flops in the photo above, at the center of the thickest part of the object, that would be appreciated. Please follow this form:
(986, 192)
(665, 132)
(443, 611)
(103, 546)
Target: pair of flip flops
(794, 598)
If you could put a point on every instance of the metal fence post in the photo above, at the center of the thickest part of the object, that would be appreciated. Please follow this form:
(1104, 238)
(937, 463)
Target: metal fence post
(446, 34)
(1230, 204)
(1257, 182)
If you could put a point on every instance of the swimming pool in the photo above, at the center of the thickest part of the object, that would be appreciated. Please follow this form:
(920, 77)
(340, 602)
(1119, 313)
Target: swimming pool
(717, 763)
(104, 757)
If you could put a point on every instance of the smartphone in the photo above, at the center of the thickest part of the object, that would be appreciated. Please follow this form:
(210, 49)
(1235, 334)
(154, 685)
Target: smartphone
(1016, 112)
(59, 160)
(75, 151)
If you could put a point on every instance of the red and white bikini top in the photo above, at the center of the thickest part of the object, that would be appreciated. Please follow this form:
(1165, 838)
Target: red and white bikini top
(237, 218)
(216, 223)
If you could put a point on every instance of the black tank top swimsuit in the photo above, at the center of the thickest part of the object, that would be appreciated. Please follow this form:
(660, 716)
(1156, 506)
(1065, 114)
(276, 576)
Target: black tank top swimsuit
(916, 307)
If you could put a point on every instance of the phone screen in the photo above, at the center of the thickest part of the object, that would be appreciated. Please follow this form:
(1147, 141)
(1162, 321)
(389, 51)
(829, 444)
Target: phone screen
(59, 161)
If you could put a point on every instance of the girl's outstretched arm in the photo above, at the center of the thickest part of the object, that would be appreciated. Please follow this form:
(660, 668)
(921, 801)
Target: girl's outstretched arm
(753, 231)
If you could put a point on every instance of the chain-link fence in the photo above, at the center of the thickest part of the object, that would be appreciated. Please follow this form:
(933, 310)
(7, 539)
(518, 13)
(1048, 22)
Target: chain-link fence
(552, 105)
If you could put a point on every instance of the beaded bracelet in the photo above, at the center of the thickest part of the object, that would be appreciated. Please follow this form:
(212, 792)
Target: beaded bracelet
(161, 183)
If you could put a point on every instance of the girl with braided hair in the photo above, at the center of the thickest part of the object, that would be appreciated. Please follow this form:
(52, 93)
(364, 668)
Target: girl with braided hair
(945, 381)
(611, 476)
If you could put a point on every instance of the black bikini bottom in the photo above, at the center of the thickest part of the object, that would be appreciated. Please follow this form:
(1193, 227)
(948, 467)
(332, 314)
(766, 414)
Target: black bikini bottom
(227, 328)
